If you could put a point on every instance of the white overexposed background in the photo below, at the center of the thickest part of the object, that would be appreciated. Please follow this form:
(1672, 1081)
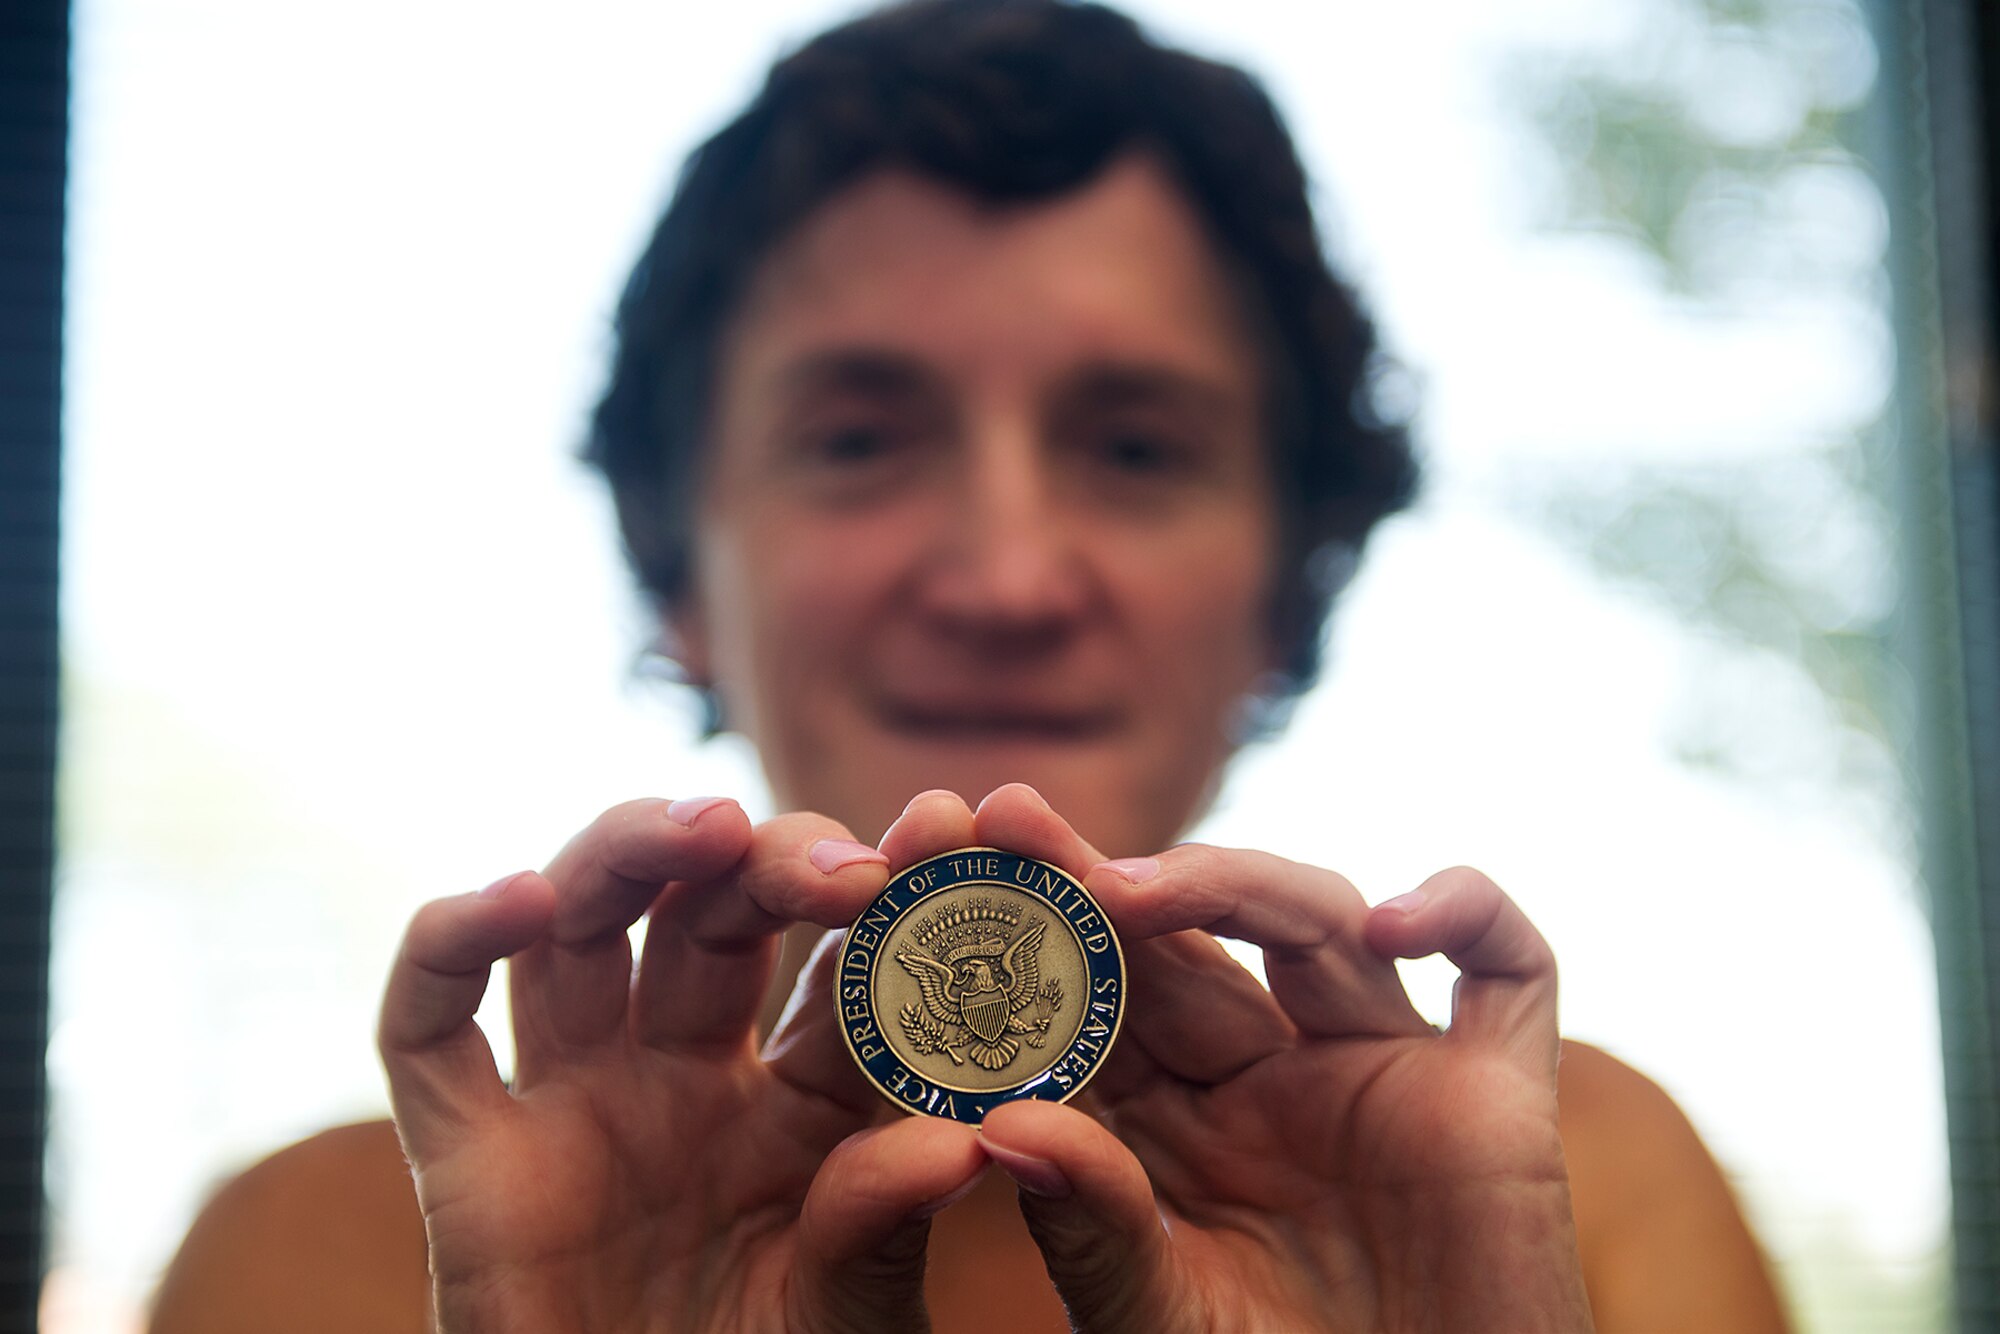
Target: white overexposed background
(346, 627)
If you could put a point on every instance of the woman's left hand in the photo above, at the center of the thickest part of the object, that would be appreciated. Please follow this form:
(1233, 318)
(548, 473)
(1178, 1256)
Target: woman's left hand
(1312, 1156)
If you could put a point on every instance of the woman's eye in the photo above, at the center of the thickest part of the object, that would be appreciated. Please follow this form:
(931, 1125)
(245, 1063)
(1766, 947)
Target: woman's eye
(851, 445)
(1141, 454)
(851, 458)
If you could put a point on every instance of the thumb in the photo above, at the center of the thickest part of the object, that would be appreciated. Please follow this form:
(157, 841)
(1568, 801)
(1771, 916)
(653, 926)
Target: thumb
(865, 1226)
(1091, 1209)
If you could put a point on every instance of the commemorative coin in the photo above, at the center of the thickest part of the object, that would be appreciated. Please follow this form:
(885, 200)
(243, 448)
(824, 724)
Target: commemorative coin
(978, 977)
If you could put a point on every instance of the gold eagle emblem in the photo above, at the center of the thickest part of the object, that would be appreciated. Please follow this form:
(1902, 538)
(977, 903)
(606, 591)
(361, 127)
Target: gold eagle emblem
(978, 973)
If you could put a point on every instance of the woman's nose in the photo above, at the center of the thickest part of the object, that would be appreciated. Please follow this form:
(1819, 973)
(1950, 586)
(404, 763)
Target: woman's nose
(1009, 556)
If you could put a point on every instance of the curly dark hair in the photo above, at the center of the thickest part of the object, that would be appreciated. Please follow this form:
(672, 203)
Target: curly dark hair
(1009, 101)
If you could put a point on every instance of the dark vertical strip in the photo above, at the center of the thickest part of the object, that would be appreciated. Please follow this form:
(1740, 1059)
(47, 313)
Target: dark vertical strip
(34, 113)
(1969, 277)
(1935, 156)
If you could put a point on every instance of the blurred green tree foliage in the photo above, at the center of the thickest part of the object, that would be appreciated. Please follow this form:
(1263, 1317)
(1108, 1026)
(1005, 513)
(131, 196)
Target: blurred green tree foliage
(1716, 139)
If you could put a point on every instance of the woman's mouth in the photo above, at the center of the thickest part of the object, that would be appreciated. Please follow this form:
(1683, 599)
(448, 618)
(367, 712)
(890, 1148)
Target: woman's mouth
(985, 721)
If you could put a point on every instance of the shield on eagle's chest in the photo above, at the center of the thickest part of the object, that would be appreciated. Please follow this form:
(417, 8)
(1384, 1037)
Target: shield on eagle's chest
(985, 1012)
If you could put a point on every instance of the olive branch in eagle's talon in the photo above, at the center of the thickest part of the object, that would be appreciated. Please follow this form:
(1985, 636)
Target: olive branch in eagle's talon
(925, 1034)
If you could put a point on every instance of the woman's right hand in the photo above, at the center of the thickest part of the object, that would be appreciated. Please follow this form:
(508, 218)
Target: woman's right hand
(650, 1169)
(1311, 1156)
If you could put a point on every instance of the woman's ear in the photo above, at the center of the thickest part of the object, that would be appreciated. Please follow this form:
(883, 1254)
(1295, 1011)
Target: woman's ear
(683, 640)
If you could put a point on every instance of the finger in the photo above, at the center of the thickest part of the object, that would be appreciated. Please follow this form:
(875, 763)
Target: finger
(441, 1071)
(1195, 1016)
(933, 822)
(866, 1222)
(1015, 817)
(802, 868)
(1128, 1071)
(1506, 990)
(612, 871)
(1198, 1013)
(710, 947)
(570, 992)
(806, 1049)
(1307, 921)
(1091, 1210)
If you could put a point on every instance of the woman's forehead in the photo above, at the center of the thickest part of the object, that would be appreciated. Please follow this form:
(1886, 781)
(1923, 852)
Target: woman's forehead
(1118, 269)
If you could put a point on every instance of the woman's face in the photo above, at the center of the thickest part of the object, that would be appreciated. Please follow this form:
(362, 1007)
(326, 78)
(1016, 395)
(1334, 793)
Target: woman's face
(987, 501)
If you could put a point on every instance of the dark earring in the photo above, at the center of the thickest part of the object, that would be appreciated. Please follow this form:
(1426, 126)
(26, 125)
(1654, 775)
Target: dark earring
(1263, 710)
(658, 662)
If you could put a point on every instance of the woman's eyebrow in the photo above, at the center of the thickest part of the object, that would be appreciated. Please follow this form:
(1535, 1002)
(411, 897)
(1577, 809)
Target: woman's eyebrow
(875, 371)
(1120, 384)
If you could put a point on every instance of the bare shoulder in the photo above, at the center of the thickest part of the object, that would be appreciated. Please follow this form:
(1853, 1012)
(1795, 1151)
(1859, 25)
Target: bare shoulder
(323, 1235)
(1664, 1242)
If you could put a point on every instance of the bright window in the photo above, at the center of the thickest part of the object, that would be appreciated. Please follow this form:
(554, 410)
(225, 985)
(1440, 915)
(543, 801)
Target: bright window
(346, 627)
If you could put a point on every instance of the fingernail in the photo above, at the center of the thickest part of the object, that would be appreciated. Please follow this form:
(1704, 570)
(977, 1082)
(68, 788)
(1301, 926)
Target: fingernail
(1134, 869)
(830, 854)
(689, 809)
(944, 1202)
(500, 886)
(1403, 903)
(1037, 1176)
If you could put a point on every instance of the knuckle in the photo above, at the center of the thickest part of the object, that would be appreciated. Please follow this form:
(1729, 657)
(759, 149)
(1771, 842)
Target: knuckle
(429, 925)
(793, 832)
(626, 813)
(619, 821)
(1191, 854)
(1011, 792)
(634, 851)
(937, 797)
(1201, 863)
(1467, 882)
(767, 893)
(1092, 1275)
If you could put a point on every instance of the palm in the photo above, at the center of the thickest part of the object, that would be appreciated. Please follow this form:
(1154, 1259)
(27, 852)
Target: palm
(1280, 1203)
(651, 1170)
(598, 1193)
(1321, 1157)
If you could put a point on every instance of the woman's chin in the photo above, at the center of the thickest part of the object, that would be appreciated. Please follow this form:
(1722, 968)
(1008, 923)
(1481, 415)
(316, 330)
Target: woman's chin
(1093, 784)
